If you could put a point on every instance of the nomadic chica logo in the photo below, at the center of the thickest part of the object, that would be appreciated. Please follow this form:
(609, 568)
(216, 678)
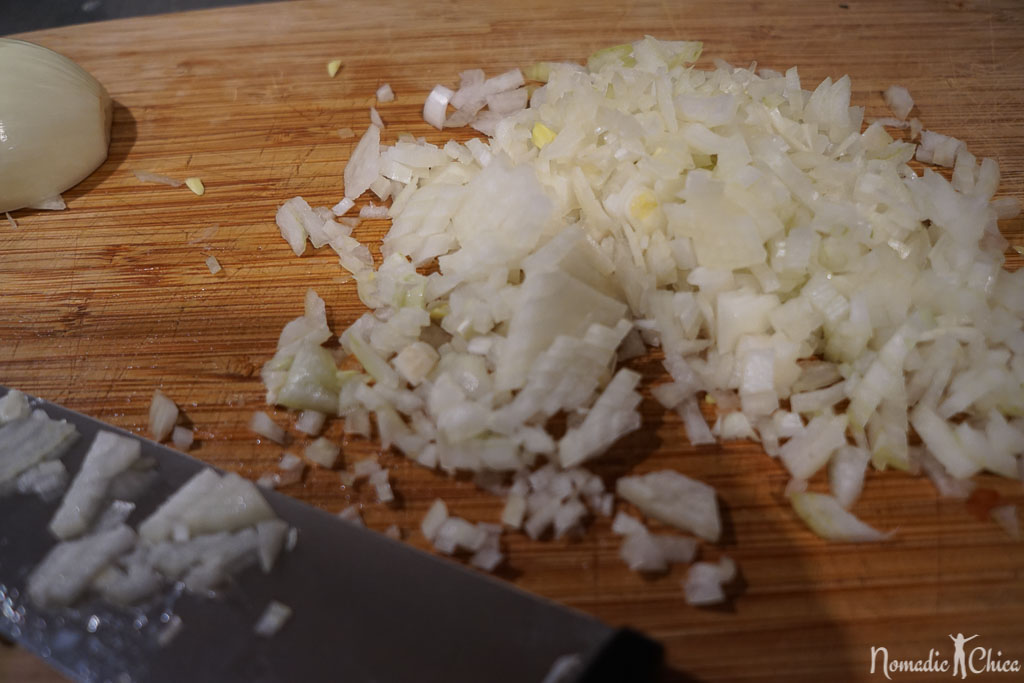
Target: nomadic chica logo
(965, 660)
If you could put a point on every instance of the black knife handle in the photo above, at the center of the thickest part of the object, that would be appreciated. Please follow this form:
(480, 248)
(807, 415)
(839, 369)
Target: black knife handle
(626, 657)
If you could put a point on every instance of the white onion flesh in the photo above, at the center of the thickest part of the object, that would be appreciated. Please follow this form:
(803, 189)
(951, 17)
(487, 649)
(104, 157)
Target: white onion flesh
(704, 584)
(56, 131)
(264, 425)
(109, 455)
(213, 265)
(163, 414)
(436, 105)
(208, 529)
(899, 101)
(28, 440)
(273, 619)
(67, 570)
(827, 518)
(675, 499)
(323, 452)
(310, 422)
(47, 480)
(385, 93)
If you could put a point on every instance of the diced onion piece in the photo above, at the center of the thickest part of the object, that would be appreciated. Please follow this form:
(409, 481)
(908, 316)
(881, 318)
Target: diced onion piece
(642, 554)
(163, 414)
(48, 479)
(273, 619)
(385, 93)
(487, 559)
(158, 526)
(342, 207)
(182, 437)
(213, 264)
(69, 568)
(456, 533)
(13, 406)
(10, 220)
(375, 118)
(704, 582)
(939, 149)
(415, 362)
(436, 106)
(310, 422)
(365, 468)
(946, 485)
(372, 211)
(351, 514)
(108, 455)
(290, 462)
(613, 415)
(264, 425)
(827, 518)
(233, 503)
(271, 535)
(27, 441)
(333, 67)
(513, 513)
(625, 525)
(675, 499)
(846, 472)
(808, 451)
(363, 167)
(899, 101)
(382, 486)
(435, 517)
(323, 452)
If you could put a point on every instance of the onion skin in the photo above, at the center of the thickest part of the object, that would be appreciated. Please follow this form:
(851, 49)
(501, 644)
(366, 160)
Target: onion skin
(54, 124)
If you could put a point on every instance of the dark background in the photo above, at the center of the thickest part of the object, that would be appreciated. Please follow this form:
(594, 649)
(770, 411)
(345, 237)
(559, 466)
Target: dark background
(17, 16)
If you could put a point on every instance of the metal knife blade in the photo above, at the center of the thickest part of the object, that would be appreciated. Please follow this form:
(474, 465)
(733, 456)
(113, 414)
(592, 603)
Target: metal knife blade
(366, 608)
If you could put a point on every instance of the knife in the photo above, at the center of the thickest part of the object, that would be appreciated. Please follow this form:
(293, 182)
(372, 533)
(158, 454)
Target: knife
(366, 608)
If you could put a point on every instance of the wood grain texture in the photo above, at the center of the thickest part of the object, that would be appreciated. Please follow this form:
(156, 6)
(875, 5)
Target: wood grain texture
(107, 301)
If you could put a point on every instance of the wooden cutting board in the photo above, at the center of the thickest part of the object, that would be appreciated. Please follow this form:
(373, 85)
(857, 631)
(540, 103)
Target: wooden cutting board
(107, 301)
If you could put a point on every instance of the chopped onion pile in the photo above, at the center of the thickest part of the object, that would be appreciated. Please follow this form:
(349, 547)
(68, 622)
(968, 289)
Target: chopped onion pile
(793, 267)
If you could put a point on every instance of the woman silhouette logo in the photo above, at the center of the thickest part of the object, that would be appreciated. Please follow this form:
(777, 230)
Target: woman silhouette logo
(959, 659)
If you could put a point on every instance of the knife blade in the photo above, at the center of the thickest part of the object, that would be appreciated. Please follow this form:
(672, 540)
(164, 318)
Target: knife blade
(365, 607)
